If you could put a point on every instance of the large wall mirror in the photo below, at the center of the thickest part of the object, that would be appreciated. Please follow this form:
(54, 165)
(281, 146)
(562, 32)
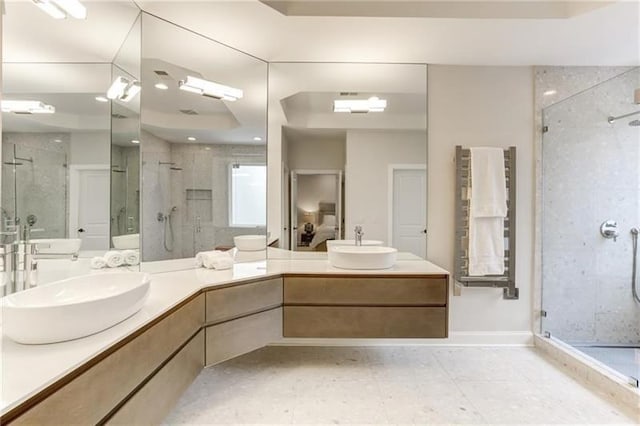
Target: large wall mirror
(347, 147)
(203, 144)
(57, 131)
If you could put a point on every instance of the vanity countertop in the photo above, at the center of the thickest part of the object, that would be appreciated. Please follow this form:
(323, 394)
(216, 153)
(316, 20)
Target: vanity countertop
(28, 369)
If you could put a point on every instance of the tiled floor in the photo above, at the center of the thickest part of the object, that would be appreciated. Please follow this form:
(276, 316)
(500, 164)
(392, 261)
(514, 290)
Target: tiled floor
(623, 360)
(410, 384)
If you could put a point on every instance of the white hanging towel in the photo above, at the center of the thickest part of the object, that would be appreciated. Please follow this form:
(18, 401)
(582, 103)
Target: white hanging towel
(488, 208)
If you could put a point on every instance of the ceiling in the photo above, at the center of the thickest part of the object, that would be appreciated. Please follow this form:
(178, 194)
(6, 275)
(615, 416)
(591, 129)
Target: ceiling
(579, 33)
(471, 32)
(437, 9)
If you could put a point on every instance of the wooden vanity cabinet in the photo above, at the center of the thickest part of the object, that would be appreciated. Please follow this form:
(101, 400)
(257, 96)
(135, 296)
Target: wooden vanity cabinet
(352, 306)
(242, 318)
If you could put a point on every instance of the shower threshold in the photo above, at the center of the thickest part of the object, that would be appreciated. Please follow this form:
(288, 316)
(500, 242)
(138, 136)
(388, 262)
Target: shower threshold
(625, 359)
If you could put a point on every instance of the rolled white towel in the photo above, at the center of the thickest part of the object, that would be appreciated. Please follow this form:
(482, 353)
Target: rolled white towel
(222, 262)
(131, 257)
(209, 259)
(114, 258)
(200, 256)
(98, 262)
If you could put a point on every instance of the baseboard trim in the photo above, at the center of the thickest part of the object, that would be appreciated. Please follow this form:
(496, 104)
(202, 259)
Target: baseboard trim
(475, 338)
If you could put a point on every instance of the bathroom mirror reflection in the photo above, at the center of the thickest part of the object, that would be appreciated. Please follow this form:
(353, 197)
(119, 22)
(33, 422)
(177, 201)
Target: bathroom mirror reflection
(56, 132)
(55, 174)
(347, 148)
(125, 147)
(203, 145)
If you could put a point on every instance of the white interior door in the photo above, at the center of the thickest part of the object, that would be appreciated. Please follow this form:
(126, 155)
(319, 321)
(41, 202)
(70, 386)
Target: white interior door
(293, 212)
(93, 209)
(409, 211)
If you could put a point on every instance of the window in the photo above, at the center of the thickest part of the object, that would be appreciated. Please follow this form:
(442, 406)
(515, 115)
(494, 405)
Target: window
(248, 195)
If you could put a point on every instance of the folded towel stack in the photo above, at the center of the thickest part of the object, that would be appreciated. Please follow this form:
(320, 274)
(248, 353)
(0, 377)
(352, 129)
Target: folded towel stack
(214, 259)
(115, 258)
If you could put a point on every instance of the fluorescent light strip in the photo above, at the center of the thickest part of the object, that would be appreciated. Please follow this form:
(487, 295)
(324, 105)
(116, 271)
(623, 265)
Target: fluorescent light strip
(73, 8)
(372, 104)
(27, 107)
(59, 9)
(123, 89)
(210, 89)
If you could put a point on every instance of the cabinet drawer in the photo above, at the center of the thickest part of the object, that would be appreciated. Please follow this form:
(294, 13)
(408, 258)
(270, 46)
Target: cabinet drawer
(156, 398)
(372, 322)
(240, 336)
(232, 302)
(93, 394)
(366, 291)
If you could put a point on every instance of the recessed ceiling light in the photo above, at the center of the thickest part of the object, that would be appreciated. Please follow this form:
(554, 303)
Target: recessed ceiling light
(206, 148)
(57, 140)
(191, 138)
(101, 99)
(550, 92)
(257, 138)
(161, 86)
(136, 141)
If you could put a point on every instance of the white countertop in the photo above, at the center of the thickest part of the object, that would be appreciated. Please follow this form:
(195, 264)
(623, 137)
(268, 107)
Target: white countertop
(28, 369)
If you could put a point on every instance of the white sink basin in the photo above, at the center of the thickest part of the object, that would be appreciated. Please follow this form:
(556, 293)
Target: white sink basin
(58, 245)
(362, 257)
(250, 242)
(336, 243)
(126, 242)
(73, 308)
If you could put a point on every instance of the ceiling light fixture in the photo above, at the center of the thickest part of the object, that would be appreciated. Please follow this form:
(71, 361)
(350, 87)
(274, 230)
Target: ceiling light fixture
(361, 106)
(210, 89)
(60, 9)
(550, 92)
(191, 138)
(123, 89)
(101, 99)
(27, 107)
(57, 140)
(257, 138)
(136, 141)
(161, 86)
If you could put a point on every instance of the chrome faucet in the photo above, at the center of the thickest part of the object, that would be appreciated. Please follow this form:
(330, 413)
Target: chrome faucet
(358, 235)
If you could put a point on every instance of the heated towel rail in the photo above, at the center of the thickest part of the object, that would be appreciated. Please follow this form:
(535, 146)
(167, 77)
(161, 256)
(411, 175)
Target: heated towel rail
(507, 281)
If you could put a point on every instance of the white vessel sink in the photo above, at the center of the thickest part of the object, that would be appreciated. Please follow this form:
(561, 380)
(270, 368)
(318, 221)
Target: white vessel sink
(250, 242)
(73, 308)
(58, 245)
(336, 243)
(362, 257)
(126, 242)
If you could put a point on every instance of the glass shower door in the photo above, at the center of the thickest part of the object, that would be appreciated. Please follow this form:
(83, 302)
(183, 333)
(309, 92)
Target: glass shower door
(591, 194)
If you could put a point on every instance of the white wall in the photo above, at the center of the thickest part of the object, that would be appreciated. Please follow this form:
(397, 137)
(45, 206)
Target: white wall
(481, 106)
(369, 154)
(90, 148)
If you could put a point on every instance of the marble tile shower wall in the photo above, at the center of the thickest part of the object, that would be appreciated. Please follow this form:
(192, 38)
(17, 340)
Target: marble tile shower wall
(156, 195)
(125, 204)
(41, 184)
(590, 173)
(201, 194)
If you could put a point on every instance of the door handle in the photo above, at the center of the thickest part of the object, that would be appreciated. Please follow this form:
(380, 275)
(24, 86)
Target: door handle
(424, 231)
(81, 230)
